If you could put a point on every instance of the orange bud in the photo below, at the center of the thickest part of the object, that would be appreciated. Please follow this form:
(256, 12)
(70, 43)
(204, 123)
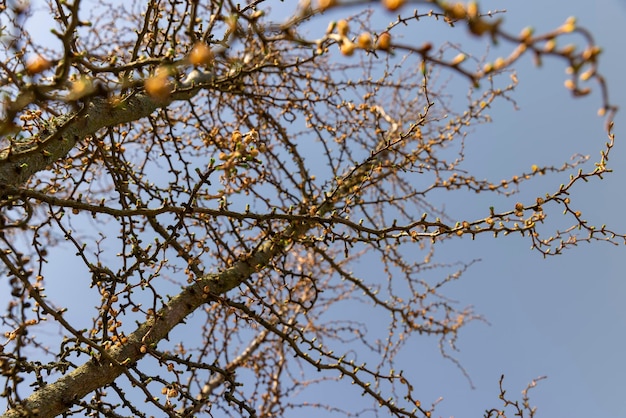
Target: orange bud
(393, 5)
(343, 27)
(456, 11)
(326, 4)
(201, 54)
(37, 64)
(479, 27)
(364, 41)
(459, 59)
(347, 48)
(384, 41)
(236, 136)
(158, 86)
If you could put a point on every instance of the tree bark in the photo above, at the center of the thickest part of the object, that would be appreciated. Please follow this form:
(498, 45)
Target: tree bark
(16, 168)
(56, 398)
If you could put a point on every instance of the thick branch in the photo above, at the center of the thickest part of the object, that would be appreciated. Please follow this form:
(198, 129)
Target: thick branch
(104, 368)
(17, 167)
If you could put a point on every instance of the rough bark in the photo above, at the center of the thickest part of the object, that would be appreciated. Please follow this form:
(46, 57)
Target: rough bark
(105, 367)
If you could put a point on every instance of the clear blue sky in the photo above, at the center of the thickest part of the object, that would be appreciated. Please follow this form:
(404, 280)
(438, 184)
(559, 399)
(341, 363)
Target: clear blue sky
(565, 316)
(562, 317)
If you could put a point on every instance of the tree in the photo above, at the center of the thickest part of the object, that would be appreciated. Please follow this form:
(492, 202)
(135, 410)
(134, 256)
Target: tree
(220, 169)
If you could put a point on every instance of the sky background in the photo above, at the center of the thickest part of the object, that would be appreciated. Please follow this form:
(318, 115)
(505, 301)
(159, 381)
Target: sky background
(563, 317)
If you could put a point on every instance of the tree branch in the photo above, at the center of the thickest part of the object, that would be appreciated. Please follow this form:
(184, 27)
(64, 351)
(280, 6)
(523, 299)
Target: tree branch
(58, 397)
(17, 167)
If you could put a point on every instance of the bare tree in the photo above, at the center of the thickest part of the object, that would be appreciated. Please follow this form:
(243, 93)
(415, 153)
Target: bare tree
(208, 174)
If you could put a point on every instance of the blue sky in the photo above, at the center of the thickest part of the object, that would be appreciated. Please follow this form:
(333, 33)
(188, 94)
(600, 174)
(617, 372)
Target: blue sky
(563, 316)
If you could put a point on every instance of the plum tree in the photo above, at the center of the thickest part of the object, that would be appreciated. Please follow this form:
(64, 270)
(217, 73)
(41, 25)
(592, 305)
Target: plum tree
(188, 188)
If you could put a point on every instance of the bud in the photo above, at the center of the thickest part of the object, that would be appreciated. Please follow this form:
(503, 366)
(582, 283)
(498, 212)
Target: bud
(384, 41)
(393, 5)
(343, 27)
(158, 86)
(455, 11)
(347, 48)
(364, 41)
(326, 4)
(459, 59)
(201, 54)
(37, 64)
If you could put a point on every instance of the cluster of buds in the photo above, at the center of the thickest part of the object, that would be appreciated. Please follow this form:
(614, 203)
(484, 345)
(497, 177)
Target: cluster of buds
(391, 5)
(476, 24)
(364, 41)
(160, 85)
(244, 148)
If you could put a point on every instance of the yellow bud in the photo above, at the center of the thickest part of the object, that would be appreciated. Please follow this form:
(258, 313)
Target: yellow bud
(393, 5)
(201, 54)
(37, 64)
(384, 41)
(326, 4)
(499, 63)
(591, 53)
(479, 26)
(526, 33)
(455, 11)
(236, 136)
(81, 88)
(569, 26)
(364, 41)
(347, 48)
(343, 27)
(587, 74)
(472, 9)
(158, 86)
(459, 59)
